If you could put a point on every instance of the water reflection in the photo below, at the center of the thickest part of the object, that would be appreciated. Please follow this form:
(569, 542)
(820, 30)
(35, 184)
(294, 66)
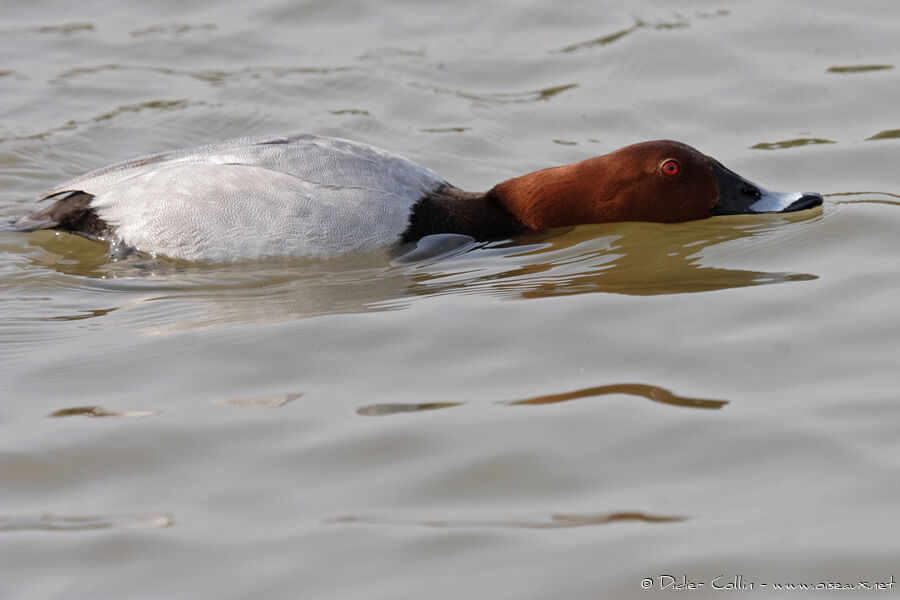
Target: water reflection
(499, 98)
(272, 401)
(887, 134)
(866, 198)
(621, 258)
(85, 314)
(554, 521)
(215, 77)
(378, 410)
(605, 40)
(52, 522)
(859, 68)
(63, 29)
(650, 392)
(792, 143)
(97, 411)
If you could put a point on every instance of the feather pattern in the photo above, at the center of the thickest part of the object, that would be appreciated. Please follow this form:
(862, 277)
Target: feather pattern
(296, 195)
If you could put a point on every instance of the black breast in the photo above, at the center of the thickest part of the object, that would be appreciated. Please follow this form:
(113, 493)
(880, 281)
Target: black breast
(451, 210)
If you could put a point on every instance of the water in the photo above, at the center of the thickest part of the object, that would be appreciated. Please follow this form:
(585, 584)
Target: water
(561, 416)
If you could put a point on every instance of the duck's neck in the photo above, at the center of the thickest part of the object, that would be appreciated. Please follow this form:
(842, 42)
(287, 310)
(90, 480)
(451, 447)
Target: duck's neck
(452, 210)
(555, 197)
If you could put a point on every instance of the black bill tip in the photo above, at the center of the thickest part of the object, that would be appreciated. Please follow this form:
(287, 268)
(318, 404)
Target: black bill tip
(807, 200)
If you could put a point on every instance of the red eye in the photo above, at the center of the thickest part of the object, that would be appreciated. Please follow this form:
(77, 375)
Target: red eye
(671, 168)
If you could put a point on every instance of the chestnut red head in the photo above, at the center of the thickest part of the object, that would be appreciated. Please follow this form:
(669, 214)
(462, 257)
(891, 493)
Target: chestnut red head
(661, 181)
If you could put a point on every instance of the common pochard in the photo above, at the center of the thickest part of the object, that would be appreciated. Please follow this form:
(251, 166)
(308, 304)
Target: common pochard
(305, 195)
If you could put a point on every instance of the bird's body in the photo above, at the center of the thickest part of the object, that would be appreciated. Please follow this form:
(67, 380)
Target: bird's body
(306, 195)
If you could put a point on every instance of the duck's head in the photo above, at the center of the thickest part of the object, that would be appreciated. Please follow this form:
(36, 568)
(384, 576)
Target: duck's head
(661, 181)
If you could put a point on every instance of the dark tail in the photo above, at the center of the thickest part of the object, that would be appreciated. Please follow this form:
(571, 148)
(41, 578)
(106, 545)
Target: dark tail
(72, 212)
(32, 222)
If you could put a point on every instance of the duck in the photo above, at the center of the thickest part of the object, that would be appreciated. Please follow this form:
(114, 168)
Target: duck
(314, 196)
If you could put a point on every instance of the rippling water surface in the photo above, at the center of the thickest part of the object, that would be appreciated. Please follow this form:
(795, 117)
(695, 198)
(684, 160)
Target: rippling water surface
(564, 415)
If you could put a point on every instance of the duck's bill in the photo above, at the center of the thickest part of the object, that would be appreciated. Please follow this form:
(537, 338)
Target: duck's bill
(737, 196)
